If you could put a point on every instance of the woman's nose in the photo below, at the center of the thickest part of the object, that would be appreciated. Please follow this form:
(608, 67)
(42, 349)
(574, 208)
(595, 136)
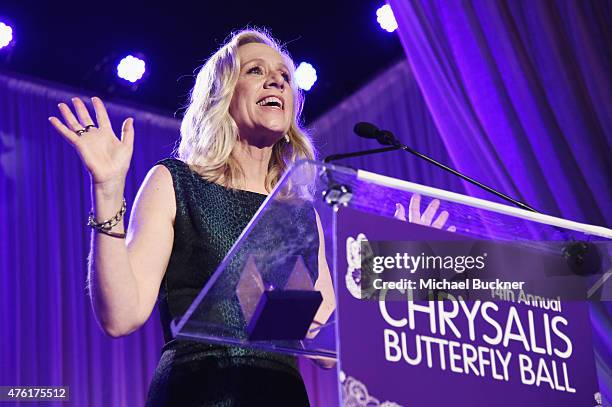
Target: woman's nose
(275, 80)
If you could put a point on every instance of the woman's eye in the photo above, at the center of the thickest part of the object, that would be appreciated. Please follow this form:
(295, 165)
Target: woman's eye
(286, 77)
(255, 69)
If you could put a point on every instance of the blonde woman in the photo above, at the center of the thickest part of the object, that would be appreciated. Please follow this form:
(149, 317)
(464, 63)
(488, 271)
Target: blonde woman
(239, 134)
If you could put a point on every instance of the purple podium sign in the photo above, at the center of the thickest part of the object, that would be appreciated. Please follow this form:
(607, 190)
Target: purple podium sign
(453, 353)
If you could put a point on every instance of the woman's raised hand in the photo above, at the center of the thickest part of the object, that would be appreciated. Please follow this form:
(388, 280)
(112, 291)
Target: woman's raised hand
(106, 157)
(427, 217)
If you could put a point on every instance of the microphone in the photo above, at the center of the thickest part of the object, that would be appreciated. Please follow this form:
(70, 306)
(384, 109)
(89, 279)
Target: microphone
(385, 137)
(368, 130)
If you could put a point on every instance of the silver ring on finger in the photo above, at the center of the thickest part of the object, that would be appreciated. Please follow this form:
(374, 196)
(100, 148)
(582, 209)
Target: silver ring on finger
(81, 131)
(89, 126)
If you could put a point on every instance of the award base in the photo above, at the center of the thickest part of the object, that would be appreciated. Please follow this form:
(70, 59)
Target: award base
(283, 315)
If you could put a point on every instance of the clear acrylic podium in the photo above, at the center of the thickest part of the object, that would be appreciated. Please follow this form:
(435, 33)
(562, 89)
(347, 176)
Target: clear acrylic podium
(279, 250)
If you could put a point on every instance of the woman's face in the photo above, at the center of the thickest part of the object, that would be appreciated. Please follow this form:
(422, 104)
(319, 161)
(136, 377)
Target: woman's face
(262, 104)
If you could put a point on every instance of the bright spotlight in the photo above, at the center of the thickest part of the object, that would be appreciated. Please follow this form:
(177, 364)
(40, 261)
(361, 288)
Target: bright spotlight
(386, 19)
(305, 75)
(6, 35)
(131, 68)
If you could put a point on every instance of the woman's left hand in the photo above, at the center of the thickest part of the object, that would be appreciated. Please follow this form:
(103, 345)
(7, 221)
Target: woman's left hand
(427, 217)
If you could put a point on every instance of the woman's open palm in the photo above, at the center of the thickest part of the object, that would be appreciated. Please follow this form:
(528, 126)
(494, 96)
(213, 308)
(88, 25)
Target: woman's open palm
(106, 157)
(427, 218)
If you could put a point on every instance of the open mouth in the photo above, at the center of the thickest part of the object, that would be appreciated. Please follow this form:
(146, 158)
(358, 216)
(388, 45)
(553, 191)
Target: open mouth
(271, 101)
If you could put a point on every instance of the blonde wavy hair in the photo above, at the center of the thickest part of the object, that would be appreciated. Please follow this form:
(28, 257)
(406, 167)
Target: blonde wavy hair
(208, 132)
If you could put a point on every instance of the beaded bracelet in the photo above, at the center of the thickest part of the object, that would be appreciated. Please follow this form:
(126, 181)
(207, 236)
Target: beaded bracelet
(106, 226)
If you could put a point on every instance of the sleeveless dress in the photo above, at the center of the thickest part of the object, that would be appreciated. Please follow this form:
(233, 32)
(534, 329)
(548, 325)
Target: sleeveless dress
(209, 219)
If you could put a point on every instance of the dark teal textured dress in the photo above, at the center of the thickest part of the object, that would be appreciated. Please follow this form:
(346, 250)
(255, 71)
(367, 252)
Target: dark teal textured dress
(209, 219)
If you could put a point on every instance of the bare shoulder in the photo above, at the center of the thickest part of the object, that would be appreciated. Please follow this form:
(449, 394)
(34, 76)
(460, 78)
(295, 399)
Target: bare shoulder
(160, 173)
(159, 178)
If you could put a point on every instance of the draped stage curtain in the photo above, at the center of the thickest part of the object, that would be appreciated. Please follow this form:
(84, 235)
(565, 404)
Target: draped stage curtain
(392, 101)
(521, 93)
(48, 335)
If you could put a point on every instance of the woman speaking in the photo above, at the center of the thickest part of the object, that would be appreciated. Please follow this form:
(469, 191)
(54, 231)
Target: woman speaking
(238, 136)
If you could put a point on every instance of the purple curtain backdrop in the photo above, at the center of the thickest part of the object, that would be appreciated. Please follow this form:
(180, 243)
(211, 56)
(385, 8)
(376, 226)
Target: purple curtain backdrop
(48, 335)
(521, 92)
(392, 101)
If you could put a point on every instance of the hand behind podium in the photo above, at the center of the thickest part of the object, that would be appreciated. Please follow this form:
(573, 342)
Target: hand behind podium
(427, 217)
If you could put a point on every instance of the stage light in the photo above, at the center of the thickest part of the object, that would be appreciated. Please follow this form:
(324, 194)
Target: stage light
(131, 68)
(305, 76)
(6, 34)
(386, 19)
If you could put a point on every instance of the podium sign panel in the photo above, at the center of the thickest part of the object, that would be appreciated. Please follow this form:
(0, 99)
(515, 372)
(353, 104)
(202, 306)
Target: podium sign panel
(478, 352)
(470, 337)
